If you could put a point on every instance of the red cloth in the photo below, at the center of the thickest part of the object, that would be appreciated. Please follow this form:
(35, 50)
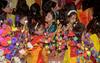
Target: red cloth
(71, 34)
(84, 17)
(37, 39)
(40, 57)
(73, 49)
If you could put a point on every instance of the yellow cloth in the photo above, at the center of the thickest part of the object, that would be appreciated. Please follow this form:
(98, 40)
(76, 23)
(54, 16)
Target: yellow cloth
(32, 56)
(67, 58)
(45, 55)
(30, 2)
(13, 3)
(95, 40)
(14, 28)
(73, 60)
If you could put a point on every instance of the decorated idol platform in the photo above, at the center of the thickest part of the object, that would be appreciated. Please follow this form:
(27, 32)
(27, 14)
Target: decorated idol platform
(53, 31)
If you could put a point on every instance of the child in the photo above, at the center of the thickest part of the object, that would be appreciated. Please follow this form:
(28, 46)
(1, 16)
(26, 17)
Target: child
(37, 54)
(50, 25)
(22, 11)
(94, 31)
(74, 31)
(34, 17)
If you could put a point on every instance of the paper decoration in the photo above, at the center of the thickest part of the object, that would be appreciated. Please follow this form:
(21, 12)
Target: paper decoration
(8, 38)
(4, 26)
(75, 38)
(10, 20)
(29, 45)
(22, 51)
(16, 59)
(71, 34)
(1, 30)
(86, 43)
(14, 40)
(4, 43)
(1, 52)
(89, 53)
(91, 45)
(2, 58)
(9, 42)
(14, 28)
(11, 47)
(7, 51)
(8, 56)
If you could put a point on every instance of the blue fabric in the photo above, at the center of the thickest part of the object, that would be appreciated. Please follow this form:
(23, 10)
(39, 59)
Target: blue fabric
(52, 28)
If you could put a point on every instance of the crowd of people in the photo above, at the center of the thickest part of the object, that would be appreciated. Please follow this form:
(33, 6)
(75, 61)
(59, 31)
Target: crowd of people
(55, 32)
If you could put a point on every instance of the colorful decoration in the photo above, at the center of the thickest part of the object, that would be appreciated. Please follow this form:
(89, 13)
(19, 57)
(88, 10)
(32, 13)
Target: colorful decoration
(8, 56)
(17, 43)
(71, 34)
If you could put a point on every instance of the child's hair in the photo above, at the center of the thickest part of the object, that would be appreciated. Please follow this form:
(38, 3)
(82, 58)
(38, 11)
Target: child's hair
(62, 16)
(69, 9)
(48, 6)
(78, 27)
(94, 26)
(35, 13)
(3, 4)
(35, 8)
(22, 8)
(52, 13)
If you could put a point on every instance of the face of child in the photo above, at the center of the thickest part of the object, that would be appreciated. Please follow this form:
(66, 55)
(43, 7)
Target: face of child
(49, 17)
(40, 29)
(73, 18)
(7, 9)
(56, 7)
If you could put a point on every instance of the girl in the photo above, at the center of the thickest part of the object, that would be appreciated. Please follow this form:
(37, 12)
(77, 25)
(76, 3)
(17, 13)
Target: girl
(50, 25)
(22, 11)
(34, 18)
(37, 54)
(74, 31)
